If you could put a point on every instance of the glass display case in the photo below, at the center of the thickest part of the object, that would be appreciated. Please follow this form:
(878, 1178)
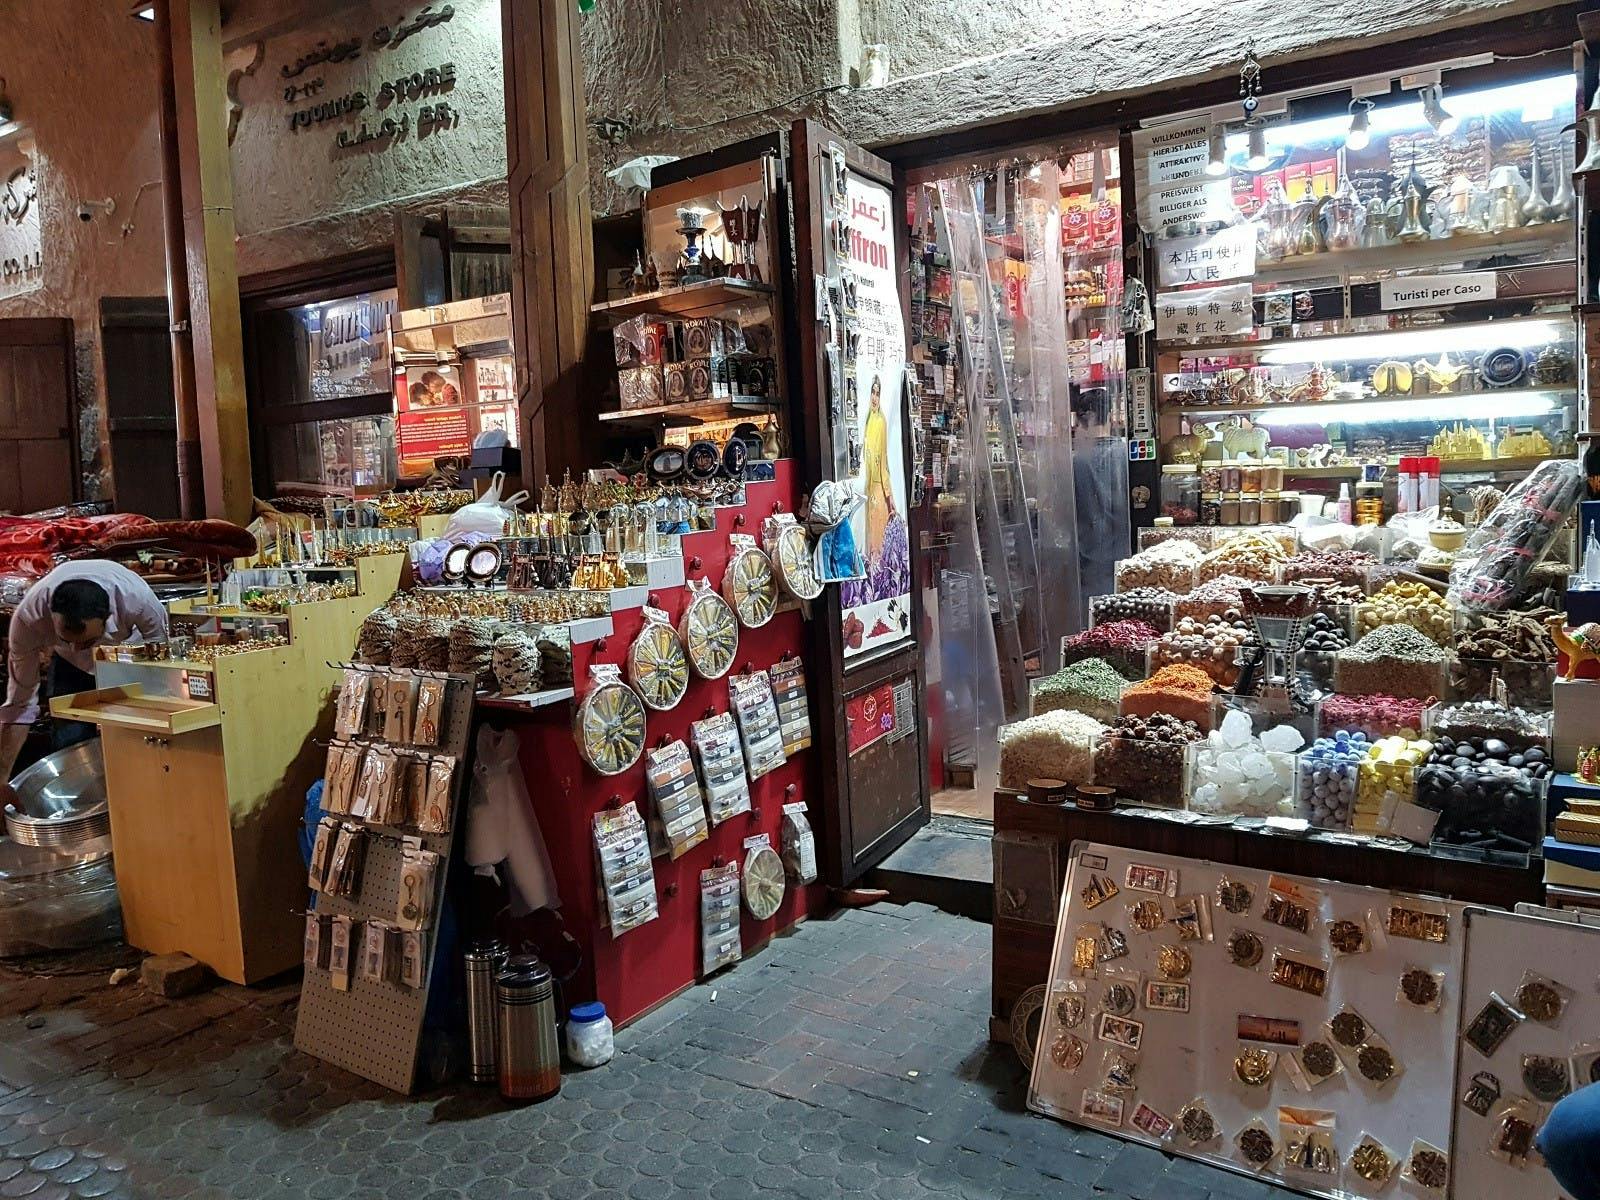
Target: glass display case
(454, 382)
(1337, 293)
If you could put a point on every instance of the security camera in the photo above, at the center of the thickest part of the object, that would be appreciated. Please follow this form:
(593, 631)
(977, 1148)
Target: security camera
(88, 209)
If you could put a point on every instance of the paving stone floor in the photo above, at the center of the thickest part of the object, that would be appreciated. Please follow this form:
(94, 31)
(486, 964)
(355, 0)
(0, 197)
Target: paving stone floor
(849, 1057)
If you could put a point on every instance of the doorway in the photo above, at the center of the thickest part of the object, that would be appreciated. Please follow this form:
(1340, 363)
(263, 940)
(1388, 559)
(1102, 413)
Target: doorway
(38, 415)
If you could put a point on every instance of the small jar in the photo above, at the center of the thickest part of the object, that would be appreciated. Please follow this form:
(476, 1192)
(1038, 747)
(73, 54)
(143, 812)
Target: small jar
(1250, 481)
(1210, 508)
(590, 1042)
(1230, 479)
(1249, 509)
(1210, 477)
(1272, 477)
(1369, 504)
(1180, 493)
(1288, 506)
(1230, 509)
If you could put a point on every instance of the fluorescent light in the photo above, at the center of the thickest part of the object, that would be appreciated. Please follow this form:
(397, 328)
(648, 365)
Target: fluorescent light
(1407, 344)
(1471, 406)
(1257, 158)
(1360, 125)
(1217, 161)
(1434, 111)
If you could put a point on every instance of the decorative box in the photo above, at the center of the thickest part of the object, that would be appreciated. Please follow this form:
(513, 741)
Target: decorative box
(676, 378)
(641, 387)
(699, 378)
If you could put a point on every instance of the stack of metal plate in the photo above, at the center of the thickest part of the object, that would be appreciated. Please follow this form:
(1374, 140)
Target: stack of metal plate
(61, 803)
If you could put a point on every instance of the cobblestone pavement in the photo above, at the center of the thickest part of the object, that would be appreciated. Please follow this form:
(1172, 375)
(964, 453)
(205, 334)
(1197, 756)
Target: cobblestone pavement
(848, 1057)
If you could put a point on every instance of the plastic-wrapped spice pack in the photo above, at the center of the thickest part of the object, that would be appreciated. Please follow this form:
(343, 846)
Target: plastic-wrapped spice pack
(626, 875)
(716, 745)
(719, 918)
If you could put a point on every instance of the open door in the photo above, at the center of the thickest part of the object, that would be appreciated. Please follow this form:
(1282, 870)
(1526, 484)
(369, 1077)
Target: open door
(38, 414)
(850, 316)
(141, 414)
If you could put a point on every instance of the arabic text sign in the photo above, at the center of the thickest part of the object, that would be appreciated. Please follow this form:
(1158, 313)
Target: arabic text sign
(1204, 313)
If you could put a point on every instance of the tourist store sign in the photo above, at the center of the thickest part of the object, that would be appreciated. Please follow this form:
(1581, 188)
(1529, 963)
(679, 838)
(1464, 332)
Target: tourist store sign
(1437, 291)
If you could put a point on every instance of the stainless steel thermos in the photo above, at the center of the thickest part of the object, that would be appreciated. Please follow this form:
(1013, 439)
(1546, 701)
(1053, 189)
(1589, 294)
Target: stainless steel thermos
(484, 961)
(530, 1056)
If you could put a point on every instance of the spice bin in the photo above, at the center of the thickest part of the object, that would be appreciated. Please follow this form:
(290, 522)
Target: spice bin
(1143, 759)
(1180, 493)
(1053, 745)
(1233, 772)
(1148, 604)
(1123, 644)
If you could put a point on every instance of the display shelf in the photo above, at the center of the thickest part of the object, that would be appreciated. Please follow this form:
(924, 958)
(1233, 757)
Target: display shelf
(1433, 252)
(1320, 344)
(691, 300)
(527, 700)
(1310, 409)
(693, 412)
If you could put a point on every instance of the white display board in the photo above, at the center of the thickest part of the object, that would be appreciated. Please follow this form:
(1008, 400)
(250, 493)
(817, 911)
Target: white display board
(1188, 1056)
(1502, 949)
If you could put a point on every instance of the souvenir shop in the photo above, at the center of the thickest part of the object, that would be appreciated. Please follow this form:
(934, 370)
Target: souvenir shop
(1289, 761)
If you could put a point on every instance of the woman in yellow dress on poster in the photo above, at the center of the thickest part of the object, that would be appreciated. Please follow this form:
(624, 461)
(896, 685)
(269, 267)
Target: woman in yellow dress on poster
(876, 485)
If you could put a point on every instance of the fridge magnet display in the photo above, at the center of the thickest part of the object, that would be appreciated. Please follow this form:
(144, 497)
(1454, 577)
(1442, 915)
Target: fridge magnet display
(1377, 1063)
(1198, 1126)
(1312, 1065)
(1546, 1077)
(1253, 1066)
(1483, 1089)
(1245, 949)
(1071, 1007)
(1256, 1145)
(1421, 988)
(1174, 962)
(1586, 1064)
(1301, 974)
(1235, 896)
(1427, 1167)
(610, 722)
(1307, 1138)
(1097, 891)
(1290, 905)
(1493, 1024)
(1166, 997)
(1148, 1121)
(1101, 1108)
(1512, 1132)
(1117, 1073)
(1419, 924)
(1113, 944)
(1120, 1031)
(709, 630)
(748, 584)
(1371, 1161)
(1120, 996)
(1067, 1051)
(1349, 1028)
(763, 881)
(1146, 916)
(1140, 877)
(658, 668)
(1540, 998)
(1191, 917)
(1348, 936)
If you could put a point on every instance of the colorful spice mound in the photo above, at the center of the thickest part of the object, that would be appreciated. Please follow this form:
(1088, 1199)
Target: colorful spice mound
(1152, 605)
(1120, 643)
(1253, 556)
(1213, 646)
(1395, 660)
(1168, 565)
(1402, 602)
(1142, 758)
(1347, 567)
(1213, 598)
(1091, 686)
(1178, 690)
(1376, 715)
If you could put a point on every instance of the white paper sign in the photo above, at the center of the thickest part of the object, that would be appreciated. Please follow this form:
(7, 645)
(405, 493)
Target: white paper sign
(1211, 258)
(1179, 151)
(1436, 291)
(1204, 313)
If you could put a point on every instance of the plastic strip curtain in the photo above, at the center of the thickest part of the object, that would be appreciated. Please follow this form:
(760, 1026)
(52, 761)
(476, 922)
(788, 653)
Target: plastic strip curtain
(1100, 442)
(1043, 404)
(974, 706)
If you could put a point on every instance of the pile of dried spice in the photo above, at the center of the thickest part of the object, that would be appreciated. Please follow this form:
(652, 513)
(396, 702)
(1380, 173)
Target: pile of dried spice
(1091, 686)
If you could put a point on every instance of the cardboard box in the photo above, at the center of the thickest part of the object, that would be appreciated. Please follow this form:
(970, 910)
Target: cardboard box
(676, 377)
(1576, 721)
(700, 386)
(641, 387)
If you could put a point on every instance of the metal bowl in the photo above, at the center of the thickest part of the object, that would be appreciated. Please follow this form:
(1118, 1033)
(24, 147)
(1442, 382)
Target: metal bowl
(61, 802)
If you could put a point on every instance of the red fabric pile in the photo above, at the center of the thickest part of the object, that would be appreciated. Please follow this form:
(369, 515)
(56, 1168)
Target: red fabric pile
(32, 547)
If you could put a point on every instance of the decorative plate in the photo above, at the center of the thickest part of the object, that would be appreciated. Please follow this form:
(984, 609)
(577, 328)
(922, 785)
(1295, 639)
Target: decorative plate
(703, 461)
(749, 587)
(610, 728)
(1502, 368)
(763, 882)
(710, 634)
(793, 563)
(657, 666)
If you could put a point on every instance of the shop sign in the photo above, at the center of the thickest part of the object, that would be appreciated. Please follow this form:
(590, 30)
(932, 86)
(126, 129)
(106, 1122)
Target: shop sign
(21, 249)
(875, 610)
(1211, 258)
(1204, 313)
(1437, 291)
(347, 345)
(1177, 152)
(869, 718)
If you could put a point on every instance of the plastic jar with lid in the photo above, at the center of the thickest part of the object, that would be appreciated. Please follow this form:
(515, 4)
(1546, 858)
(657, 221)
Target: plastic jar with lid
(1211, 477)
(1230, 478)
(1211, 508)
(1272, 477)
(1249, 509)
(1180, 493)
(1271, 508)
(1250, 481)
(1369, 504)
(590, 1042)
(1230, 509)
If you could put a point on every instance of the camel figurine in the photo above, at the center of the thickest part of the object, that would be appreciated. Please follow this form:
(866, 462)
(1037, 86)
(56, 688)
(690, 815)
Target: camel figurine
(1580, 645)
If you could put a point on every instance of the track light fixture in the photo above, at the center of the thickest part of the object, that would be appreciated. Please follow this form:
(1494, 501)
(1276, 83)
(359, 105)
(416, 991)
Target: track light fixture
(1257, 159)
(1360, 121)
(1443, 122)
(1217, 161)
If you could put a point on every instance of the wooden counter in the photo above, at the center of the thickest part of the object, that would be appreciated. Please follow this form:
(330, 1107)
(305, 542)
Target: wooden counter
(1022, 948)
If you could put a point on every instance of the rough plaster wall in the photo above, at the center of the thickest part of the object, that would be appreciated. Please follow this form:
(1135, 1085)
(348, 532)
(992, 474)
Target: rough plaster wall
(83, 83)
(676, 70)
(298, 196)
(731, 57)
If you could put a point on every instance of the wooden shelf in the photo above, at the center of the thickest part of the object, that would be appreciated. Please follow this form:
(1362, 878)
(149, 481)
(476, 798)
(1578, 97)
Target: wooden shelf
(695, 412)
(1310, 408)
(691, 300)
(128, 707)
(1433, 252)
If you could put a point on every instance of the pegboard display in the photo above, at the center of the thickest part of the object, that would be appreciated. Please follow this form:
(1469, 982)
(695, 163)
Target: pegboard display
(1515, 956)
(1163, 1008)
(375, 1028)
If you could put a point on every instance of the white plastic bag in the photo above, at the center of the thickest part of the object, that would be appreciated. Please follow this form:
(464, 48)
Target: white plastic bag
(487, 514)
(501, 827)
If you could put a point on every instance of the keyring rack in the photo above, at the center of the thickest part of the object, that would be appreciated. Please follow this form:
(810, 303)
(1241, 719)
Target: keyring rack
(375, 1029)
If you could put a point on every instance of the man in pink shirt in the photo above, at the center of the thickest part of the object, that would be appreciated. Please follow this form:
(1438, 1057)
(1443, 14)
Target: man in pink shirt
(78, 606)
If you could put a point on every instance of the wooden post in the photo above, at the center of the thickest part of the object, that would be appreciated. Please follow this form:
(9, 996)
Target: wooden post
(551, 230)
(200, 88)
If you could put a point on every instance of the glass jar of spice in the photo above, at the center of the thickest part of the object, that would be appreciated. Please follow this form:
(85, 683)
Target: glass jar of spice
(1210, 508)
(1272, 477)
(1250, 481)
(1180, 493)
(1230, 479)
(1210, 477)
(1249, 509)
(1369, 504)
(1270, 509)
(1230, 509)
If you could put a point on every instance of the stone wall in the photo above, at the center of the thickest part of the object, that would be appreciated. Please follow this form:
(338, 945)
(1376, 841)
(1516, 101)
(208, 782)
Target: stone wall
(82, 82)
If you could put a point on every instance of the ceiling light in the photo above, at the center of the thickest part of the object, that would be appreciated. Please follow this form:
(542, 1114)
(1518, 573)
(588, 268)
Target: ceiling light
(1217, 163)
(1360, 120)
(1257, 159)
(1433, 109)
